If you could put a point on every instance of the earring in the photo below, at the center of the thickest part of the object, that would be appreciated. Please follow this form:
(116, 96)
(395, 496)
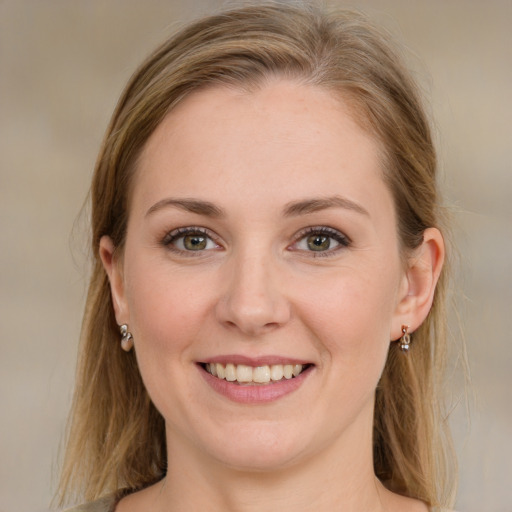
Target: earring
(405, 340)
(127, 338)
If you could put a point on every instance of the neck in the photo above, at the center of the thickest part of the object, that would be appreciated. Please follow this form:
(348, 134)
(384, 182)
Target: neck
(340, 477)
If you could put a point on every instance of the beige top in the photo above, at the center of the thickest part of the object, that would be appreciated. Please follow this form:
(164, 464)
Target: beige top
(106, 504)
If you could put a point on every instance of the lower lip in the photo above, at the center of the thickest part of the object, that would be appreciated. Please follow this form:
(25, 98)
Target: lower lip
(257, 393)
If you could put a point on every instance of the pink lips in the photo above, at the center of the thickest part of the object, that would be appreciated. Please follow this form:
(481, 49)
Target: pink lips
(255, 393)
(255, 361)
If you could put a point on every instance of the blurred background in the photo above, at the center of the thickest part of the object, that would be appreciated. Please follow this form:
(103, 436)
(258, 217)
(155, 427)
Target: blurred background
(63, 65)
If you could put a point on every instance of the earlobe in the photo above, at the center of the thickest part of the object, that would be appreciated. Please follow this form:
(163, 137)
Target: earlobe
(112, 267)
(420, 280)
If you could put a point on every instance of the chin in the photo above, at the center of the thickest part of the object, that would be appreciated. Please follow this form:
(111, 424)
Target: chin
(258, 460)
(259, 449)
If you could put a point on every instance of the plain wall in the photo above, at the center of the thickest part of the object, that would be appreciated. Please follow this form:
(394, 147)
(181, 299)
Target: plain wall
(62, 67)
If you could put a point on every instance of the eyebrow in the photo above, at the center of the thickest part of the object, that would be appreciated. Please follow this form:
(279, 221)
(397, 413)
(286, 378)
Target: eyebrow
(190, 205)
(292, 209)
(322, 203)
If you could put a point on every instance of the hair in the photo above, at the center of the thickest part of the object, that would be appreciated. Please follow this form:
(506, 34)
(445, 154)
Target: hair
(116, 437)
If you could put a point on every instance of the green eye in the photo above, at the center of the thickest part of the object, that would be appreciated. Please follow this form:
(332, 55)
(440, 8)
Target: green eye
(195, 242)
(321, 241)
(318, 242)
(187, 240)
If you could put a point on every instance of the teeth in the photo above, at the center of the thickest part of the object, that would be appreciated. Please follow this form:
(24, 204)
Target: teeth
(219, 369)
(288, 371)
(230, 372)
(276, 372)
(243, 373)
(259, 374)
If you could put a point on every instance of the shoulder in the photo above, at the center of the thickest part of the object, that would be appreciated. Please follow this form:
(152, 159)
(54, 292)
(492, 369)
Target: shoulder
(106, 504)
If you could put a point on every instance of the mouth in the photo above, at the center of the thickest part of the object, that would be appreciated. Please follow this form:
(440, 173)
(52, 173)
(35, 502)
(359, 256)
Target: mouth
(246, 375)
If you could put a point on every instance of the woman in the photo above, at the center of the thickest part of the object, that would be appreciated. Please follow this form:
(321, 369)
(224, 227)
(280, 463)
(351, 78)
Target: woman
(268, 252)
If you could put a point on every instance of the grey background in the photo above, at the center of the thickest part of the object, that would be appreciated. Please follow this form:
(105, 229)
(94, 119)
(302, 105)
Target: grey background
(62, 67)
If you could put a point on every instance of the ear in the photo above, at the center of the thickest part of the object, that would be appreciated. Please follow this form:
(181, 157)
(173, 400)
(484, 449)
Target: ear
(419, 283)
(113, 268)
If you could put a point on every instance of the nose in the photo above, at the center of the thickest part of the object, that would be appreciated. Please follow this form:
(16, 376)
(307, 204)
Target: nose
(253, 300)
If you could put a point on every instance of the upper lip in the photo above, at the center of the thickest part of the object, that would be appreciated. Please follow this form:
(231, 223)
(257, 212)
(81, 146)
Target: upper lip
(254, 361)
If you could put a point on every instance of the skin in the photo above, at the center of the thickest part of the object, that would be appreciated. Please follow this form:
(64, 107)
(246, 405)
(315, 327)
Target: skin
(258, 290)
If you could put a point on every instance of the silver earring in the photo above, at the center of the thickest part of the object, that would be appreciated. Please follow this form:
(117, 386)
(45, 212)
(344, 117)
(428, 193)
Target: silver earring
(405, 340)
(127, 338)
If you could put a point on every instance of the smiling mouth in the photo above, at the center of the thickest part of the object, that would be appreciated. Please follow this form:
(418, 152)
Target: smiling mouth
(252, 375)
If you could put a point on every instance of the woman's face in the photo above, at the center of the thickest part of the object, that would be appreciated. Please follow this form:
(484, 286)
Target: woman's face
(261, 243)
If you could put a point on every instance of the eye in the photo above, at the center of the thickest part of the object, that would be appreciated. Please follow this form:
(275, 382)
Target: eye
(320, 240)
(189, 240)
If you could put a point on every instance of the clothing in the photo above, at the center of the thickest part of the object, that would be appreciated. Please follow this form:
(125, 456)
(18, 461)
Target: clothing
(105, 504)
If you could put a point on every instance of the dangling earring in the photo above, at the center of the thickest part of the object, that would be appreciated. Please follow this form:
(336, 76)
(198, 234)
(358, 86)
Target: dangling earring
(405, 340)
(127, 338)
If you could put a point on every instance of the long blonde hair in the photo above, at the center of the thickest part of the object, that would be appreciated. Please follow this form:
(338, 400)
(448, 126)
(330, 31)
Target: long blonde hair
(116, 436)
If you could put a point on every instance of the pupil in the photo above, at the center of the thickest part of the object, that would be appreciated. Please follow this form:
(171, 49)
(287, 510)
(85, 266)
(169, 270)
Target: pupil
(318, 242)
(194, 242)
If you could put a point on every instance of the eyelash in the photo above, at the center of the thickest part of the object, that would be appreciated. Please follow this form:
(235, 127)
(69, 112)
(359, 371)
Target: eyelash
(343, 240)
(173, 236)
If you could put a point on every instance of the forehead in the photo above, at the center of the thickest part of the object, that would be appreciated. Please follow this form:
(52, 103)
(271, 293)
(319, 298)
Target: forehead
(283, 139)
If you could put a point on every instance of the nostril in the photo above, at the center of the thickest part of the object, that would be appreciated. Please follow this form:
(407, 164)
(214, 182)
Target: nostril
(252, 300)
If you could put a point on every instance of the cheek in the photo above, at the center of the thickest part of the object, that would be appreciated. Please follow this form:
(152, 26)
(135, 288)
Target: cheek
(161, 302)
(166, 316)
(351, 314)
(165, 319)
(349, 317)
